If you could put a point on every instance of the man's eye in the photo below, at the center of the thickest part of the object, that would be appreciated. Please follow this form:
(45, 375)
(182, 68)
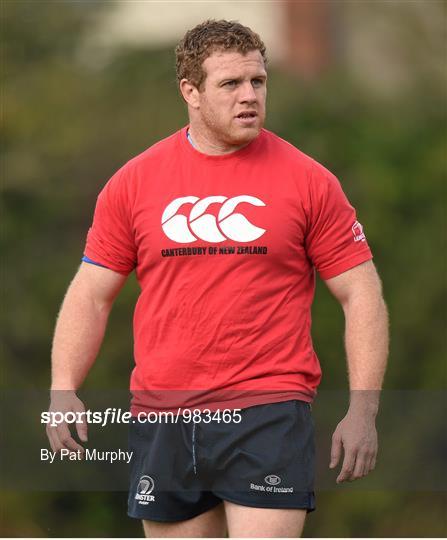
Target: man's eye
(257, 82)
(230, 83)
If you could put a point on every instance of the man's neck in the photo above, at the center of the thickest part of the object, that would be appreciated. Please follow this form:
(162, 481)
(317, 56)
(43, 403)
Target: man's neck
(206, 146)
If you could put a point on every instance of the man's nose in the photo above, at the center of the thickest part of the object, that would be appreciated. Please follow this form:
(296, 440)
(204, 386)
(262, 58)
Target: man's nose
(247, 93)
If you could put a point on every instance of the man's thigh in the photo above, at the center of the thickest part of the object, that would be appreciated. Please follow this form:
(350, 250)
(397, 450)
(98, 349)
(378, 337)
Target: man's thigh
(210, 524)
(247, 522)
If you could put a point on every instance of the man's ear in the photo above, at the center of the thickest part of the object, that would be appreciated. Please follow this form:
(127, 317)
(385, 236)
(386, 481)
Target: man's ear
(190, 93)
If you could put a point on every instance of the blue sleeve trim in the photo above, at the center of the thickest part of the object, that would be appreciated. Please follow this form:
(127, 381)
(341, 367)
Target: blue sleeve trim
(87, 260)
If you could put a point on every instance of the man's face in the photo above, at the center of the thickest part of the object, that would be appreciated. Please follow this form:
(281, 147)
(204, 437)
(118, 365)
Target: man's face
(232, 97)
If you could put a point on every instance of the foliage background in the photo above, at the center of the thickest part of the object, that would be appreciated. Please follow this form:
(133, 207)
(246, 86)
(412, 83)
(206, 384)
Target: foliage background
(69, 124)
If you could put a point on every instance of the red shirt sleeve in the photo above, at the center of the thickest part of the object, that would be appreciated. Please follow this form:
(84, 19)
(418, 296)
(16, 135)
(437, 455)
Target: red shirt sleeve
(110, 239)
(335, 241)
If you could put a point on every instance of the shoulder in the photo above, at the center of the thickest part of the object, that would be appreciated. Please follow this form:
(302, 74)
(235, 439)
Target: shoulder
(142, 166)
(307, 167)
(162, 149)
(292, 154)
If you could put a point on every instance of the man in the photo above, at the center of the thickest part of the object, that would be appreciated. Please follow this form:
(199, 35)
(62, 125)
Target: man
(225, 224)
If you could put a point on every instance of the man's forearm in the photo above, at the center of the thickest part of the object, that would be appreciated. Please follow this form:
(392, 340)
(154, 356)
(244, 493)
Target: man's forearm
(366, 342)
(78, 336)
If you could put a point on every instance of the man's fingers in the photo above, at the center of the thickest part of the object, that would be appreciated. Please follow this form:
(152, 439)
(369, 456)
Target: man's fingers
(371, 459)
(56, 443)
(368, 468)
(335, 451)
(59, 442)
(66, 439)
(50, 435)
(81, 427)
(348, 466)
(53, 437)
(81, 430)
(361, 466)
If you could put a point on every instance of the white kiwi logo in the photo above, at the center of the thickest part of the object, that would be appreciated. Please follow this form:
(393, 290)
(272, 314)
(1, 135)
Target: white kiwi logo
(230, 225)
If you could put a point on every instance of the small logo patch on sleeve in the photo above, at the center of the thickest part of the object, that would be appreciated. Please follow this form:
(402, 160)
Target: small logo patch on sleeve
(357, 231)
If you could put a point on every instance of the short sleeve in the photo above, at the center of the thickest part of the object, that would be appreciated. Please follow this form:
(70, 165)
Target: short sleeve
(110, 240)
(335, 241)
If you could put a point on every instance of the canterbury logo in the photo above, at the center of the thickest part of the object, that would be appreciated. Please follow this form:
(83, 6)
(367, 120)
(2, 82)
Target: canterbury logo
(199, 225)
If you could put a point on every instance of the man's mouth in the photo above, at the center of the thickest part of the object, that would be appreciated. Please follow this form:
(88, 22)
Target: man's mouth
(247, 114)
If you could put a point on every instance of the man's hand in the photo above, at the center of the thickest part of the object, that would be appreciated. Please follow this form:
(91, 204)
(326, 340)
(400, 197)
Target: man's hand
(357, 434)
(63, 401)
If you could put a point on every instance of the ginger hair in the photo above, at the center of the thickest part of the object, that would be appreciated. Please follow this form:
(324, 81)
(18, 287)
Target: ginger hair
(208, 37)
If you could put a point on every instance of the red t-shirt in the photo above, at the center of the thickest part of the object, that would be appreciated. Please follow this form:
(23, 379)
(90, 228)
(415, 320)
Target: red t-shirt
(224, 248)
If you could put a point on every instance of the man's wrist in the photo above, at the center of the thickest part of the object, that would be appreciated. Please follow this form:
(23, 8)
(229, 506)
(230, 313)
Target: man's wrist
(365, 402)
(63, 387)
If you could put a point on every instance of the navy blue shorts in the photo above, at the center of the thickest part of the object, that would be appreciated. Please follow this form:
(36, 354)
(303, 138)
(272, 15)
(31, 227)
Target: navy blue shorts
(265, 460)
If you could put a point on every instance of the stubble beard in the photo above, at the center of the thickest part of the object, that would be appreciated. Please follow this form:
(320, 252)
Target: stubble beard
(227, 132)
